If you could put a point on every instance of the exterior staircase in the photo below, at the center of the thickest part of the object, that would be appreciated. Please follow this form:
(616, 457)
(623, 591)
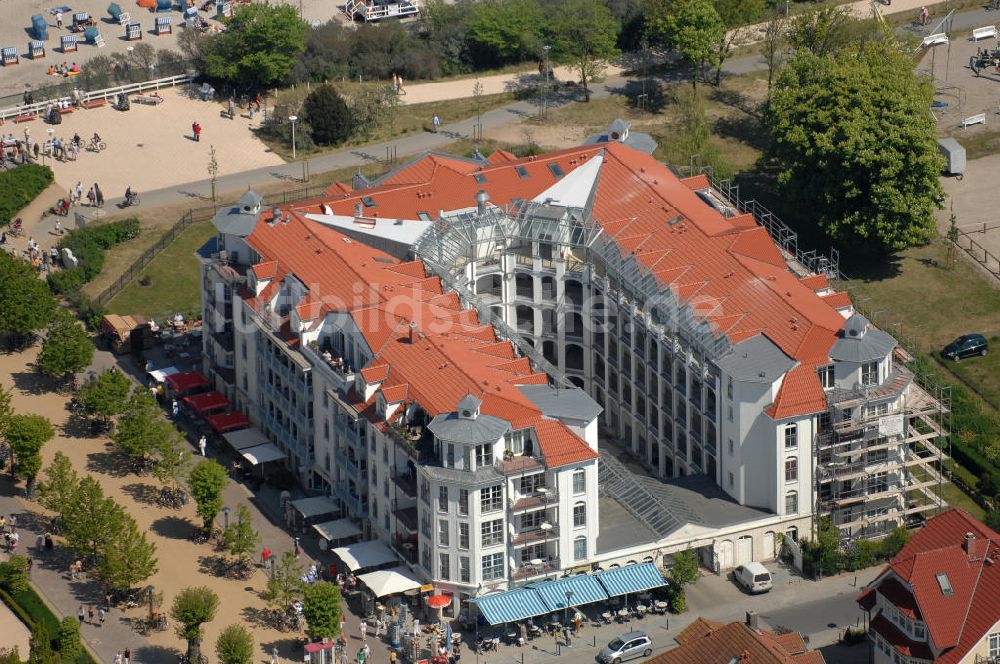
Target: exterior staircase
(618, 482)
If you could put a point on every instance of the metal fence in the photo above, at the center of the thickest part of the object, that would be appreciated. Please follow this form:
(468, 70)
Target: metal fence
(105, 94)
(978, 252)
(194, 216)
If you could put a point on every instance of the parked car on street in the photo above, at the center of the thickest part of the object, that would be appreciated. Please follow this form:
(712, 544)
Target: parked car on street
(626, 647)
(753, 577)
(966, 345)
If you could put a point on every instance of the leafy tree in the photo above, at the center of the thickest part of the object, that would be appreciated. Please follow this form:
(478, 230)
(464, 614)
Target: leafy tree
(67, 348)
(993, 520)
(69, 640)
(676, 598)
(41, 645)
(853, 144)
(823, 32)
(504, 32)
(206, 483)
(91, 520)
(14, 574)
(773, 47)
(235, 645)
(6, 410)
(822, 555)
(128, 559)
(684, 569)
(695, 133)
(141, 429)
(894, 542)
(585, 37)
(691, 27)
(172, 462)
(327, 115)
(106, 395)
(862, 554)
(59, 487)
(26, 304)
(737, 17)
(240, 539)
(321, 607)
(258, 48)
(192, 608)
(26, 434)
(284, 585)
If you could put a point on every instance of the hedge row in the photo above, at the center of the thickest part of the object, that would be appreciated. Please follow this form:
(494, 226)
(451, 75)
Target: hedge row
(29, 608)
(974, 428)
(19, 186)
(88, 245)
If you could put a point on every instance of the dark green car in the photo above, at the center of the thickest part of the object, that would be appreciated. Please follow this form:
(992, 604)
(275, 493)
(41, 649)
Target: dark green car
(966, 345)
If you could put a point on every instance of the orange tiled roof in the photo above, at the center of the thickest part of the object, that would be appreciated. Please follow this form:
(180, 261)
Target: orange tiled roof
(708, 642)
(956, 622)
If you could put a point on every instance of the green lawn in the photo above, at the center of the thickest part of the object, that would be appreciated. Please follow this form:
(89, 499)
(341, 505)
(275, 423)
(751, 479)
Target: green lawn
(174, 279)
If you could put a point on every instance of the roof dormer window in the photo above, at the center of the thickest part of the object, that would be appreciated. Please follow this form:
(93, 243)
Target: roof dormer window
(468, 407)
(944, 583)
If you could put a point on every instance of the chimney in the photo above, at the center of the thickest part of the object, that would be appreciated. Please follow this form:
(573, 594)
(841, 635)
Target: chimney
(975, 549)
(482, 198)
(413, 333)
(752, 621)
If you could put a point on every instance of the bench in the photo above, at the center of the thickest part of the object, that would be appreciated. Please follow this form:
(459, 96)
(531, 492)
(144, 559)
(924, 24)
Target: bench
(935, 39)
(65, 110)
(973, 120)
(25, 117)
(94, 103)
(986, 32)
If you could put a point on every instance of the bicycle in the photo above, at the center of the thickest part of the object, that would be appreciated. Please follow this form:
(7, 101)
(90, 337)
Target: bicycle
(96, 146)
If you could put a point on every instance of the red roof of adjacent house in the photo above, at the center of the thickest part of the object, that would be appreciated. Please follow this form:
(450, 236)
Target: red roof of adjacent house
(709, 642)
(956, 620)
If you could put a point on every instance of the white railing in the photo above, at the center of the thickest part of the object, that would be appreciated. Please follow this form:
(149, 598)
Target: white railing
(105, 94)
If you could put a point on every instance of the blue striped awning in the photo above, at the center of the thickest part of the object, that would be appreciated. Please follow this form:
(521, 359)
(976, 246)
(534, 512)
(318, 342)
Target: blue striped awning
(631, 579)
(582, 589)
(511, 606)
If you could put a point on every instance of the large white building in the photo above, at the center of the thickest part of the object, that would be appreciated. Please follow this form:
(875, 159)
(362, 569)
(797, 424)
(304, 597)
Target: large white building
(520, 367)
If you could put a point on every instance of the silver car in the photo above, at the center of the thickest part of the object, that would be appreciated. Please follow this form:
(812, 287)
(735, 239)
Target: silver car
(625, 647)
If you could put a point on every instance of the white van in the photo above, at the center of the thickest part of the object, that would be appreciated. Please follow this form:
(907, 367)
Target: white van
(753, 577)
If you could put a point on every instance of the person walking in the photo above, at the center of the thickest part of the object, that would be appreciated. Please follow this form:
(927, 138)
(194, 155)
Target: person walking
(127, 656)
(175, 408)
(568, 636)
(91, 197)
(59, 19)
(265, 555)
(90, 615)
(196, 131)
(80, 615)
(364, 632)
(79, 185)
(924, 15)
(202, 443)
(274, 655)
(101, 614)
(435, 123)
(232, 108)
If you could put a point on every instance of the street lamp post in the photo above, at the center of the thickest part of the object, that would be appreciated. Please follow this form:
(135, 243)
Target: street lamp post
(293, 119)
(569, 598)
(225, 518)
(50, 132)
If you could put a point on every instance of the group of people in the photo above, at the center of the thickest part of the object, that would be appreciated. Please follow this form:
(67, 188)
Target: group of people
(64, 69)
(90, 616)
(11, 538)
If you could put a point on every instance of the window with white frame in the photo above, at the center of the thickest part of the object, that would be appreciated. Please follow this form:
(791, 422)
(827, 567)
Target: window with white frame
(491, 499)
(443, 532)
(826, 376)
(791, 436)
(530, 484)
(492, 566)
(444, 566)
(792, 502)
(580, 548)
(579, 481)
(463, 569)
(484, 455)
(463, 501)
(492, 532)
(463, 535)
(515, 440)
(995, 644)
(442, 499)
(791, 469)
(531, 520)
(869, 373)
(579, 515)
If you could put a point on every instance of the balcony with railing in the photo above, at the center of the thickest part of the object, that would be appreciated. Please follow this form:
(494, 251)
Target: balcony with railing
(531, 571)
(535, 535)
(521, 502)
(332, 369)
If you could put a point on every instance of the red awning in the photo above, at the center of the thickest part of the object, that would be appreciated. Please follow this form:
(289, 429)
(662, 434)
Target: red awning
(207, 402)
(226, 422)
(186, 381)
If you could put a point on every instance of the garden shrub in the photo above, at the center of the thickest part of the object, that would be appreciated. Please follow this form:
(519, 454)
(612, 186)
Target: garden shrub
(19, 186)
(88, 245)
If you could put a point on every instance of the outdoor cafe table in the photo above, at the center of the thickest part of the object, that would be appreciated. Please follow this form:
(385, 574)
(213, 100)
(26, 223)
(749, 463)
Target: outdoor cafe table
(623, 614)
(660, 605)
(607, 616)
